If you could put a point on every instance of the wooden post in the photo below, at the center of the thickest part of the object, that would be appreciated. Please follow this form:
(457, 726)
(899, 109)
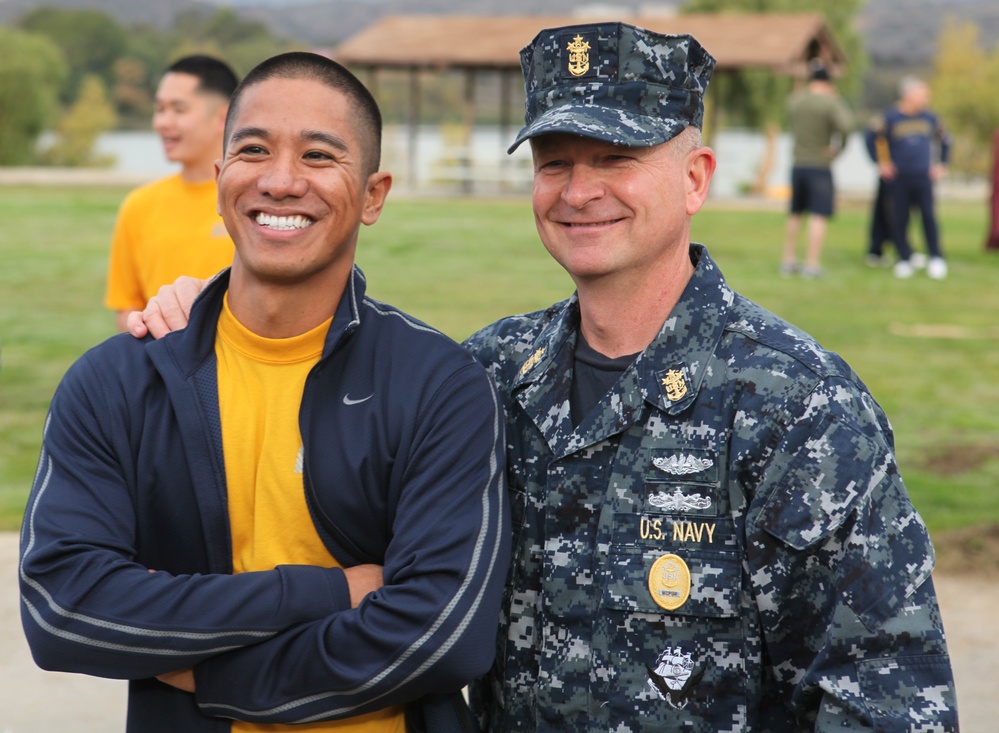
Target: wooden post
(413, 120)
(469, 121)
(992, 242)
(505, 137)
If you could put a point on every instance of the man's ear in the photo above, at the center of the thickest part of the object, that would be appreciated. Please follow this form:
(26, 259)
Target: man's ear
(700, 167)
(376, 192)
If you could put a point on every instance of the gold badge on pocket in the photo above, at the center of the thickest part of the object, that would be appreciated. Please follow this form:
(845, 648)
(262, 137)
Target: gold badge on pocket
(669, 582)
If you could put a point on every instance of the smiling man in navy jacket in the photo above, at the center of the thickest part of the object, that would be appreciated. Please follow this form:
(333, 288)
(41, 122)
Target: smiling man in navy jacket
(293, 511)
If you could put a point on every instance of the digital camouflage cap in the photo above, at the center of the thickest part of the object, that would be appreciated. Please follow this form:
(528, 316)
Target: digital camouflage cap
(613, 82)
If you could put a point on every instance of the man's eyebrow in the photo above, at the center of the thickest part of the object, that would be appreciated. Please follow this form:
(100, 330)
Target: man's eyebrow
(244, 132)
(333, 141)
(316, 136)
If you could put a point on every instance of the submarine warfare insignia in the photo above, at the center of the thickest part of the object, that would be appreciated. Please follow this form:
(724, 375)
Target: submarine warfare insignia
(680, 465)
(679, 502)
(669, 582)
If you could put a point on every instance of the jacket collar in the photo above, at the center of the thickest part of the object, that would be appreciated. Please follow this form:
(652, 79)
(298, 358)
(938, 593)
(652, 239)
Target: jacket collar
(190, 347)
(667, 375)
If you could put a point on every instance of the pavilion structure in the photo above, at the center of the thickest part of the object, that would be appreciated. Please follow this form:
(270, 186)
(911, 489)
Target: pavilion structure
(420, 44)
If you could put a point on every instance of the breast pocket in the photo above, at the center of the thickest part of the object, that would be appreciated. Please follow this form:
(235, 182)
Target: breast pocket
(700, 583)
(672, 597)
(703, 579)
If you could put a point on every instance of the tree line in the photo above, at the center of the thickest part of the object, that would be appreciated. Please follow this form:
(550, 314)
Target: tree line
(80, 73)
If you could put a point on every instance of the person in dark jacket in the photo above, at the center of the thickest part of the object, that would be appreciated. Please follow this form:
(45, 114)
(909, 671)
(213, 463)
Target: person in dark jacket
(293, 511)
(912, 149)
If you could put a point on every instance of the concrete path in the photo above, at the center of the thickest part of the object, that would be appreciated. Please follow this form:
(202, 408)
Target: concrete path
(33, 701)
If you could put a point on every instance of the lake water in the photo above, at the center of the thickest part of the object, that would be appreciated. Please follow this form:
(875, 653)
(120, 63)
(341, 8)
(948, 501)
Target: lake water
(438, 159)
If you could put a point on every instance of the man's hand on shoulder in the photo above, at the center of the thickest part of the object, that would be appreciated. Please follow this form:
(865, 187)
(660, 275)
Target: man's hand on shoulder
(168, 310)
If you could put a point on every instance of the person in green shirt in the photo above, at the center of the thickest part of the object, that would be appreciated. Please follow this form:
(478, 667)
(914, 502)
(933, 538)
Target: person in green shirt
(819, 122)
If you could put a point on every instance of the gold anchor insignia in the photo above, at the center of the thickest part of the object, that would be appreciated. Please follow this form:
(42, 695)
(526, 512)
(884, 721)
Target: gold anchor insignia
(579, 59)
(675, 384)
(532, 360)
(669, 582)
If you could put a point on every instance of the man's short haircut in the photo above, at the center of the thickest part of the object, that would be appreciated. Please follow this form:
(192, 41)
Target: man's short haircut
(687, 141)
(908, 83)
(214, 75)
(818, 71)
(313, 67)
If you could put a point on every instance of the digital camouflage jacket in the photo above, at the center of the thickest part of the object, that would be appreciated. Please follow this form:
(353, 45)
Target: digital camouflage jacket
(724, 543)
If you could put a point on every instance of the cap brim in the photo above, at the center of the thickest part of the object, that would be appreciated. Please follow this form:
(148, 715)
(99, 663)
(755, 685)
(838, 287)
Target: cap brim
(607, 124)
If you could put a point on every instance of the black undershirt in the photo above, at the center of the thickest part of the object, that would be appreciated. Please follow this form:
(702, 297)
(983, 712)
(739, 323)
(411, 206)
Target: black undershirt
(593, 374)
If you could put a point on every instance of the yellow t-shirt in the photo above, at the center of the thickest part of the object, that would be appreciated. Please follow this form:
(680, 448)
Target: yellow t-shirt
(260, 383)
(165, 229)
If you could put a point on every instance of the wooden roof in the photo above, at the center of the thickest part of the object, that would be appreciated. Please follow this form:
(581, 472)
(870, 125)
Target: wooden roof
(779, 41)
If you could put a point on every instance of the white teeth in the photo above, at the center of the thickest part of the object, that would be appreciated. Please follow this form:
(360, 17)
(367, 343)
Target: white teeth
(283, 223)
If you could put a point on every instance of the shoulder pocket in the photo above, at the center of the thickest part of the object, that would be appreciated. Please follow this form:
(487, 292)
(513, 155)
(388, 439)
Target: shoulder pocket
(819, 488)
(842, 482)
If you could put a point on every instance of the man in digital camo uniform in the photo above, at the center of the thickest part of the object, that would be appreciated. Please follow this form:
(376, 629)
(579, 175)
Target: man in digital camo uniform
(710, 529)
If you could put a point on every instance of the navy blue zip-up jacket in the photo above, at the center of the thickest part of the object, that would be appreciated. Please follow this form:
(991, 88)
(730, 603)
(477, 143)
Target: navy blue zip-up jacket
(403, 466)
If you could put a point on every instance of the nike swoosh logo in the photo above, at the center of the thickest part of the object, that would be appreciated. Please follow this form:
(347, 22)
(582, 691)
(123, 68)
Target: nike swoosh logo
(348, 401)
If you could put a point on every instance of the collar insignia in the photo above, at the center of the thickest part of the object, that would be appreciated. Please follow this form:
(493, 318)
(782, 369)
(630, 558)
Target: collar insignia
(680, 465)
(579, 57)
(675, 384)
(532, 361)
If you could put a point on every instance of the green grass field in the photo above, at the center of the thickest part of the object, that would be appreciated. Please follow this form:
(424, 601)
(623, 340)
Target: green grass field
(928, 350)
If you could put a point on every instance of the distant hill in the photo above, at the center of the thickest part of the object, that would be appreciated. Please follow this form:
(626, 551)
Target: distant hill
(318, 23)
(128, 12)
(903, 32)
(899, 33)
(328, 23)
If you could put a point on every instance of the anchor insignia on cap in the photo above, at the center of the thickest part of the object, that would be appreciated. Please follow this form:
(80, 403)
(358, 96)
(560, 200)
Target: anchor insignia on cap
(579, 59)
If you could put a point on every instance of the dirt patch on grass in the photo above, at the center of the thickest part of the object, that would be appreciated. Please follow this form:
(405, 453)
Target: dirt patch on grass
(971, 550)
(968, 551)
(951, 459)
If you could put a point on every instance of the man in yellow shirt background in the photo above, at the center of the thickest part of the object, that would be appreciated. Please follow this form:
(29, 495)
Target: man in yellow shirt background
(171, 226)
